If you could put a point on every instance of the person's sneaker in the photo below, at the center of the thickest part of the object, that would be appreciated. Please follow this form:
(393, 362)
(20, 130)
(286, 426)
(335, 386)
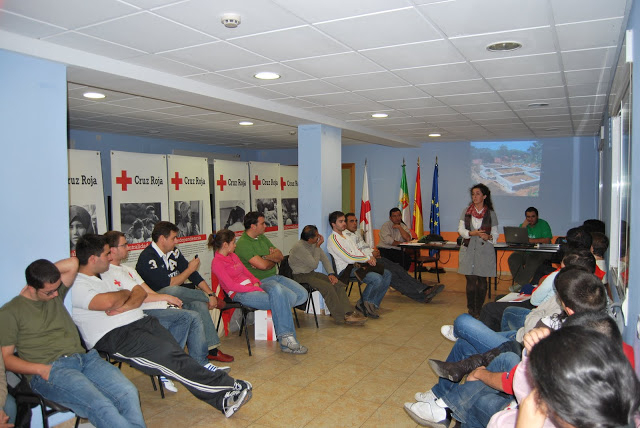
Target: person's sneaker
(447, 332)
(354, 318)
(240, 384)
(233, 400)
(290, 345)
(515, 288)
(428, 414)
(213, 368)
(425, 397)
(372, 311)
(168, 384)
(432, 292)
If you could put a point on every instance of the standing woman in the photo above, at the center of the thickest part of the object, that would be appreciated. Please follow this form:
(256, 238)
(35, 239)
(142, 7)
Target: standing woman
(478, 228)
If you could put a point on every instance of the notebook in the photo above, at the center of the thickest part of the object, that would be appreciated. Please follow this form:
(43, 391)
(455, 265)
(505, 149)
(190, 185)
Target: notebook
(517, 236)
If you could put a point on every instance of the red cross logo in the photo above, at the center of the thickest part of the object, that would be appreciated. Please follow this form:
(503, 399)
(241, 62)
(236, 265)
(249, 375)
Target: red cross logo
(221, 183)
(256, 182)
(177, 181)
(124, 180)
(116, 282)
(282, 183)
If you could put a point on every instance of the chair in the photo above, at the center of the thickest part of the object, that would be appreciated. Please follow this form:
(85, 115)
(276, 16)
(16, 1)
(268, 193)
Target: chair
(230, 304)
(24, 395)
(285, 270)
(347, 278)
(420, 260)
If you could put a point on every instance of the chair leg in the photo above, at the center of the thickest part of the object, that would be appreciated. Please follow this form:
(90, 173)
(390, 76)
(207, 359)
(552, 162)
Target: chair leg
(77, 422)
(313, 305)
(437, 270)
(153, 383)
(360, 289)
(295, 313)
(159, 386)
(350, 287)
(45, 417)
(246, 332)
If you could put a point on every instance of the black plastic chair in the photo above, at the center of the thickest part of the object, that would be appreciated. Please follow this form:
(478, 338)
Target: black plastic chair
(347, 277)
(285, 270)
(230, 304)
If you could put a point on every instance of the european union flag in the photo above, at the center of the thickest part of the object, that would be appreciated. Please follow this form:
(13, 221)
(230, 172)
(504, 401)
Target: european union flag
(434, 218)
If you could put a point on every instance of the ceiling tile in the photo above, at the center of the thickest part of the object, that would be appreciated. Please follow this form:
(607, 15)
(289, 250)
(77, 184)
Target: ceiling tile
(474, 108)
(542, 63)
(294, 102)
(438, 73)
(464, 17)
(335, 65)
(537, 112)
(508, 114)
(159, 34)
(337, 9)
(588, 35)
(164, 64)
(456, 88)
(529, 94)
(143, 103)
(414, 55)
(383, 79)
(428, 111)
(413, 103)
(287, 74)
(304, 88)
(405, 92)
(565, 11)
(595, 75)
(390, 28)
(587, 89)
(216, 56)
(27, 27)
(587, 100)
(529, 81)
(483, 97)
(588, 58)
(260, 92)
(553, 103)
(216, 79)
(96, 46)
(290, 44)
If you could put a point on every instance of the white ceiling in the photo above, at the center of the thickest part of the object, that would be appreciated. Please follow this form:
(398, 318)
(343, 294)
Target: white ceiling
(172, 70)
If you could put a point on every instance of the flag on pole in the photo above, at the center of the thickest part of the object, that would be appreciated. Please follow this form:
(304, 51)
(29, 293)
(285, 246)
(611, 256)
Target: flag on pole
(403, 200)
(434, 218)
(365, 210)
(417, 225)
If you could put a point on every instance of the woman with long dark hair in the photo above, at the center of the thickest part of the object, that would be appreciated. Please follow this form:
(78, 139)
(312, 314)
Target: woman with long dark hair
(478, 228)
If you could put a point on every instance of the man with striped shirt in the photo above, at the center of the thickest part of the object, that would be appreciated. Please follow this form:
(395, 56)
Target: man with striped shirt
(345, 253)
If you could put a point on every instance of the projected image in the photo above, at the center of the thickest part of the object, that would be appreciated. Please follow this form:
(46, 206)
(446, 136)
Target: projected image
(507, 168)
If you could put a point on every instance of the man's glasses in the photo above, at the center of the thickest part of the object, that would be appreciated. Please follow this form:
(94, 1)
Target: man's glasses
(49, 293)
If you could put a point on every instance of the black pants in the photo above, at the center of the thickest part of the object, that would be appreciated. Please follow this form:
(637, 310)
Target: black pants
(491, 314)
(150, 348)
(395, 256)
(403, 282)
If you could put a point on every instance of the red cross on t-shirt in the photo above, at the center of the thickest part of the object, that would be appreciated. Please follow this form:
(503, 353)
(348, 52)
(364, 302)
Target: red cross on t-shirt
(124, 180)
(177, 181)
(116, 282)
(256, 182)
(221, 183)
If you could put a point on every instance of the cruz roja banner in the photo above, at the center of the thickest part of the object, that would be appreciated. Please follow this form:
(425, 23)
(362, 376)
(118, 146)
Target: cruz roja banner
(139, 197)
(289, 195)
(266, 198)
(231, 195)
(86, 196)
(190, 209)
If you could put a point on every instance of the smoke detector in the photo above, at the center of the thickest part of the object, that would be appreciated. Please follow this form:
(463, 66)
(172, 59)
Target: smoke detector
(230, 20)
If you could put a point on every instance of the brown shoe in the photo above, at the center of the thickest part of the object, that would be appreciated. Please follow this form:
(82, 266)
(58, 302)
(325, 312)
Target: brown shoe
(354, 318)
(371, 309)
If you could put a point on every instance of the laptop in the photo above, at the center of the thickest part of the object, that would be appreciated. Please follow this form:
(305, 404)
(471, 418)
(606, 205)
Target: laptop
(517, 236)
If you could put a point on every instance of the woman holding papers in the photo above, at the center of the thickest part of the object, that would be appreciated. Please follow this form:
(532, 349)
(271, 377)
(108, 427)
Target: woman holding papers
(478, 228)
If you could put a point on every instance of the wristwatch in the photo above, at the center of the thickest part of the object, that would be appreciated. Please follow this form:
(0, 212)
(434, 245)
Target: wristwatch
(211, 294)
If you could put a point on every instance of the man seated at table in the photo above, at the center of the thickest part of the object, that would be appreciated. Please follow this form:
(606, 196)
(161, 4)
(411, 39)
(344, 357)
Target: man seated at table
(37, 325)
(110, 319)
(523, 264)
(393, 233)
(400, 279)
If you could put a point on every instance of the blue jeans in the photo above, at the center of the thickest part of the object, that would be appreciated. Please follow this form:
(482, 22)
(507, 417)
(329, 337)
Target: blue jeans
(186, 327)
(377, 286)
(10, 408)
(481, 337)
(93, 389)
(513, 318)
(279, 297)
(195, 300)
(473, 403)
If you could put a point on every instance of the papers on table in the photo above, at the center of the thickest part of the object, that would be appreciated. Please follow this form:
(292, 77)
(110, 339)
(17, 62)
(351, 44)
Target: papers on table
(515, 297)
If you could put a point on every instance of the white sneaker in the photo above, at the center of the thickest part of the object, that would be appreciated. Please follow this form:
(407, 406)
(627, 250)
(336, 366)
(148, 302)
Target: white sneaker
(515, 288)
(428, 414)
(213, 368)
(168, 384)
(290, 345)
(447, 332)
(425, 397)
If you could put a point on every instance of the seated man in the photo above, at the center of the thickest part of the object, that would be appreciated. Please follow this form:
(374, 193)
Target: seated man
(400, 279)
(38, 326)
(346, 254)
(184, 325)
(260, 257)
(110, 319)
(303, 261)
(7, 402)
(578, 291)
(599, 245)
(393, 233)
(523, 264)
(165, 270)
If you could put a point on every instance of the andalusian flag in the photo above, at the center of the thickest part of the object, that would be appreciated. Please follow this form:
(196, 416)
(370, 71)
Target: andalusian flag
(434, 218)
(403, 200)
(365, 210)
(417, 225)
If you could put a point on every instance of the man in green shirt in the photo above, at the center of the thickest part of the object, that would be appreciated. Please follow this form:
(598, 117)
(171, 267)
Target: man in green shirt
(523, 264)
(37, 325)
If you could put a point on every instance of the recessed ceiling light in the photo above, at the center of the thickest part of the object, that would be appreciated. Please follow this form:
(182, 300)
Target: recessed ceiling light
(379, 115)
(245, 123)
(435, 134)
(504, 46)
(94, 95)
(266, 75)
(538, 105)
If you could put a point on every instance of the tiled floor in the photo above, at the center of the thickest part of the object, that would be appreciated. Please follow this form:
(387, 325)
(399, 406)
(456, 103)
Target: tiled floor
(351, 377)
